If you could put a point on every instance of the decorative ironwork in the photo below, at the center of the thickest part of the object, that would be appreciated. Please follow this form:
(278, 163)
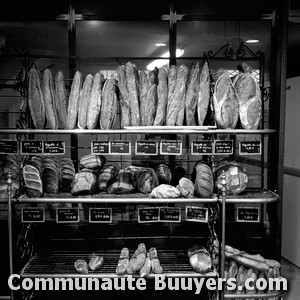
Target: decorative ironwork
(265, 93)
(234, 49)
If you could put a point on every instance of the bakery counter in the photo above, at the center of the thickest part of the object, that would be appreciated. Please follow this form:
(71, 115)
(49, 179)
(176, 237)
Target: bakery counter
(60, 264)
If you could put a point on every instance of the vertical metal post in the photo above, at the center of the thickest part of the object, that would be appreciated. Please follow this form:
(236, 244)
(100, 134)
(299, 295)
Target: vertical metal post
(172, 36)
(223, 241)
(10, 231)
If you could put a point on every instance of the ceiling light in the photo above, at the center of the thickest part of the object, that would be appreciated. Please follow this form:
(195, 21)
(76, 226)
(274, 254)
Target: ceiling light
(160, 44)
(252, 41)
(161, 62)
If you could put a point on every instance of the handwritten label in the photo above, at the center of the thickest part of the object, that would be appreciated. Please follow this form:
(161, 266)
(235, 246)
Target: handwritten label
(100, 215)
(146, 148)
(169, 214)
(196, 214)
(223, 147)
(202, 147)
(100, 147)
(250, 148)
(248, 214)
(33, 214)
(32, 147)
(171, 148)
(67, 215)
(120, 147)
(8, 147)
(146, 215)
(54, 148)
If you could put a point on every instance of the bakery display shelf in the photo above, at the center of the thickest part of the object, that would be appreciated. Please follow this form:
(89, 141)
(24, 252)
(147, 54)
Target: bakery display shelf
(252, 195)
(112, 198)
(274, 295)
(60, 264)
(141, 130)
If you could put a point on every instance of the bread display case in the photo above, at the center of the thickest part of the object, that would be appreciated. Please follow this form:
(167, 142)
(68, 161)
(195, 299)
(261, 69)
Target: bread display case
(89, 176)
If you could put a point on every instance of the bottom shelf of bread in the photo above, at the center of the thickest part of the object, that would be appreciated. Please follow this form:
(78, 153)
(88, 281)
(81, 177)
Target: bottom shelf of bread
(174, 263)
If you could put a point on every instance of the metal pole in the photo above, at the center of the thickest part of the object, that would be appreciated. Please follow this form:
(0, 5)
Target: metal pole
(223, 243)
(10, 235)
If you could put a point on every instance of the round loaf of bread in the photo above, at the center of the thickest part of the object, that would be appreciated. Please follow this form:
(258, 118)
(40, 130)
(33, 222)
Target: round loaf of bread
(202, 177)
(164, 174)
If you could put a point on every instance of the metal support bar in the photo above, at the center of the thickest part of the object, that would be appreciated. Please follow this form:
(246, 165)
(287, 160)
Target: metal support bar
(172, 36)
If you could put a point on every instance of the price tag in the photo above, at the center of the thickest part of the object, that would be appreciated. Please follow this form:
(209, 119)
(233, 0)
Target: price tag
(8, 147)
(67, 215)
(248, 214)
(54, 148)
(250, 148)
(223, 147)
(120, 147)
(148, 215)
(99, 147)
(32, 147)
(202, 147)
(169, 214)
(146, 148)
(196, 214)
(171, 148)
(100, 215)
(33, 214)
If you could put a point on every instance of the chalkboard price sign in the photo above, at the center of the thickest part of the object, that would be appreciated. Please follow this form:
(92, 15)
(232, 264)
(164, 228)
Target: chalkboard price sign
(223, 147)
(202, 147)
(250, 148)
(146, 148)
(100, 215)
(8, 147)
(54, 148)
(99, 147)
(196, 214)
(171, 148)
(67, 215)
(32, 147)
(169, 214)
(33, 214)
(248, 214)
(148, 215)
(120, 147)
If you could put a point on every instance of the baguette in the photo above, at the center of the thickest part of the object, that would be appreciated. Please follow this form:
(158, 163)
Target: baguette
(144, 84)
(61, 100)
(73, 101)
(83, 102)
(124, 99)
(151, 98)
(146, 268)
(123, 262)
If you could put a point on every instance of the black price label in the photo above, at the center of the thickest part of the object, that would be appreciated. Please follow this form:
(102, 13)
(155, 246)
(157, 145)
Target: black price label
(99, 147)
(8, 147)
(248, 214)
(250, 148)
(54, 148)
(223, 147)
(32, 147)
(33, 214)
(120, 147)
(67, 215)
(146, 148)
(171, 148)
(149, 214)
(100, 215)
(196, 214)
(169, 214)
(202, 147)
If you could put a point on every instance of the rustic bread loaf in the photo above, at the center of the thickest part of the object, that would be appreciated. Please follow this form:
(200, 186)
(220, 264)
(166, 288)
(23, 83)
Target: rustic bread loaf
(202, 177)
(164, 174)
(109, 108)
(84, 183)
(50, 178)
(203, 94)
(83, 101)
(105, 177)
(123, 262)
(162, 97)
(73, 100)
(144, 85)
(61, 100)
(33, 181)
(165, 191)
(151, 98)
(9, 162)
(92, 161)
(49, 101)
(123, 183)
(192, 94)
(35, 99)
(145, 180)
(94, 107)
(186, 187)
(124, 99)
(66, 175)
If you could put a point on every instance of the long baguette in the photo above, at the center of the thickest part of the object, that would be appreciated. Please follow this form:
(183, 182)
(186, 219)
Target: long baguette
(84, 100)
(61, 100)
(144, 84)
(124, 100)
